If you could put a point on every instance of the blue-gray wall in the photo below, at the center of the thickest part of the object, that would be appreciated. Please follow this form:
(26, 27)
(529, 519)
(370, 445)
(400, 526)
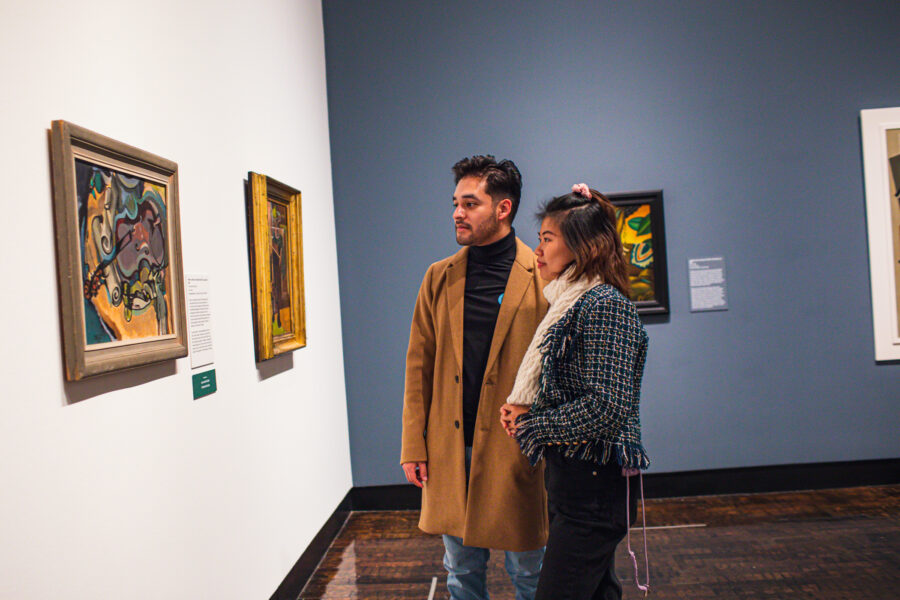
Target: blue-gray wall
(746, 114)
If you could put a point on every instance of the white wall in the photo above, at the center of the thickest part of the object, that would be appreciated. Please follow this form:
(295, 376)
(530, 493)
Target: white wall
(124, 486)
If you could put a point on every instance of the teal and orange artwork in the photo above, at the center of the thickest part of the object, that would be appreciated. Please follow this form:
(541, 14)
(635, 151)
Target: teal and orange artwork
(634, 226)
(123, 232)
(281, 288)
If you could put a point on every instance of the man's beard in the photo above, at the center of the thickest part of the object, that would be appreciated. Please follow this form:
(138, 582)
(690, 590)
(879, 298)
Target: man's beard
(483, 232)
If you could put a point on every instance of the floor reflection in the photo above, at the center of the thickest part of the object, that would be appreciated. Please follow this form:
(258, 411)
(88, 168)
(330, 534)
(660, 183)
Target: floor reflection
(823, 545)
(343, 582)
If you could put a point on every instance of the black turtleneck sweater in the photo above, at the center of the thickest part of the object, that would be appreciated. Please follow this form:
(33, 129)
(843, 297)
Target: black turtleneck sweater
(486, 274)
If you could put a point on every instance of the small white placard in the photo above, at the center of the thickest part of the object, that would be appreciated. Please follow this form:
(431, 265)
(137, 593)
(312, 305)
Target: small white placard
(199, 320)
(707, 284)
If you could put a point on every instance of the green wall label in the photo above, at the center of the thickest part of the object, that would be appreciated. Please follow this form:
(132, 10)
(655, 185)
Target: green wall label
(204, 383)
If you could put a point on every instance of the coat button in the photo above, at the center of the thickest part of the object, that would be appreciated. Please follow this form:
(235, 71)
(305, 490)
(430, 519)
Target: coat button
(456, 424)
(456, 378)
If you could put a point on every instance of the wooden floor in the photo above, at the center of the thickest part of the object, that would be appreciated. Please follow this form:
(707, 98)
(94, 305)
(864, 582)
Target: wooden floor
(827, 545)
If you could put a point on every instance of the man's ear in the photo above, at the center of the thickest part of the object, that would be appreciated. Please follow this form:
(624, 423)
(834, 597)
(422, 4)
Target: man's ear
(504, 208)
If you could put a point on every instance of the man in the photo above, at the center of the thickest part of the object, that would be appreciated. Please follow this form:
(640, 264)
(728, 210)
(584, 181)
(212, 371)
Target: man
(475, 315)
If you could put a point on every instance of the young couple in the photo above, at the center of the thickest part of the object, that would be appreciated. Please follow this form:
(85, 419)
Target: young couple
(517, 355)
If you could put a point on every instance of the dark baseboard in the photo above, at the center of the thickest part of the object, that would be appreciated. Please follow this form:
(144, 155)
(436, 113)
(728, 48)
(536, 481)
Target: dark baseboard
(745, 480)
(775, 478)
(303, 569)
(397, 497)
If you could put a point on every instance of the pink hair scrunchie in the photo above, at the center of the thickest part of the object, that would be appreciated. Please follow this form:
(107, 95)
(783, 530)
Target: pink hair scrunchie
(582, 189)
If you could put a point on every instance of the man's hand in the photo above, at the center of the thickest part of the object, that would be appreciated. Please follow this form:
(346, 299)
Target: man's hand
(416, 472)
(508, 415)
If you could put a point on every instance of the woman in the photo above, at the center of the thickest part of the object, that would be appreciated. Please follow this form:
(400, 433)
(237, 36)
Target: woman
(576, 397)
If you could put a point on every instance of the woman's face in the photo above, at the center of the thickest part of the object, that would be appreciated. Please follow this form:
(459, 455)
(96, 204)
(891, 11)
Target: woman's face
(553, 256)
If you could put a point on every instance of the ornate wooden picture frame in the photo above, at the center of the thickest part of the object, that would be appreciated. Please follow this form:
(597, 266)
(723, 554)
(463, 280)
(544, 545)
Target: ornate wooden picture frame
(276, 263)
(118, 248)
(640, 223)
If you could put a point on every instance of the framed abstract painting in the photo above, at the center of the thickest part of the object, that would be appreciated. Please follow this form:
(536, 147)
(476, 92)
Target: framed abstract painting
(881, 168)
(276, 262)
(640, 223)
(118, 247)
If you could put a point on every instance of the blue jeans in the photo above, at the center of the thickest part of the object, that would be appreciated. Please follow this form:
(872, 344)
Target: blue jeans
(467, 566)
(467, 570)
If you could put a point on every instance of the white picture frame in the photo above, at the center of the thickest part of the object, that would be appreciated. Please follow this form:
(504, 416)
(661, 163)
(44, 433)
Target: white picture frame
(883, 219)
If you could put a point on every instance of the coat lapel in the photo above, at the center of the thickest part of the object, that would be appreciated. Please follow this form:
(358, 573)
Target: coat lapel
(520, 277)
(456, 293)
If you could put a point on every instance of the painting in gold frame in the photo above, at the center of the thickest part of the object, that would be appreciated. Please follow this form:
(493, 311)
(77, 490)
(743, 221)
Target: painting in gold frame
(276, 251)
(118, 247)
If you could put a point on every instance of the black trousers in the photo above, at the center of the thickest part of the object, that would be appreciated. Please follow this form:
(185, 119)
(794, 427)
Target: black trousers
(586, 503)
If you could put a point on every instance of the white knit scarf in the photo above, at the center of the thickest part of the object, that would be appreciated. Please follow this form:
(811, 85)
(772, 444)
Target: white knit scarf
(561, 294)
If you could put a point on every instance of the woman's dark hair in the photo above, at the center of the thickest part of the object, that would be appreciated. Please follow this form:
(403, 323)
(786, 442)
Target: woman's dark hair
(588, 227)
(502, 179)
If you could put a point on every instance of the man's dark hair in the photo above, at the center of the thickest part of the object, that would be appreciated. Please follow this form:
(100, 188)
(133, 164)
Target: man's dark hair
(502, 179)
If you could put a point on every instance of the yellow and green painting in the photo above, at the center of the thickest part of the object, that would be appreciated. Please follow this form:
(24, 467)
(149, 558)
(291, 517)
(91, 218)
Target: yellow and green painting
(124, 239)
(281, 274)
(634, 226)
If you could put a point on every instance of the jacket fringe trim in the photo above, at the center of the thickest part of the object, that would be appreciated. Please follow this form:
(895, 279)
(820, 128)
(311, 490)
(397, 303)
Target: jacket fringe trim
(630, 456)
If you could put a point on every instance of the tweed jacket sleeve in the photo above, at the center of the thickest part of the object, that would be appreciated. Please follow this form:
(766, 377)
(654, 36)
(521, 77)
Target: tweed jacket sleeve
(590, 383)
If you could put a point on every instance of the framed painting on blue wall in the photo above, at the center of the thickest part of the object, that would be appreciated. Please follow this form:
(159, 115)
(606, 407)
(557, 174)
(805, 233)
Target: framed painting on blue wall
(881, 164)
(118, 247)
(641, 226)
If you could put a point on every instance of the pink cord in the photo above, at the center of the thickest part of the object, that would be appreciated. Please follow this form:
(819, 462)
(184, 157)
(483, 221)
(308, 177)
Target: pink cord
(645, 587)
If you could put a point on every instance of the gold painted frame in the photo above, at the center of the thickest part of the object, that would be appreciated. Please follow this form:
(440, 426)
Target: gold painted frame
(83, 357)
(266, 192)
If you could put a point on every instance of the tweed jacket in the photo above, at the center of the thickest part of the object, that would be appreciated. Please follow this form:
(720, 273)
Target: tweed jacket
(589, 396)
(503, 503)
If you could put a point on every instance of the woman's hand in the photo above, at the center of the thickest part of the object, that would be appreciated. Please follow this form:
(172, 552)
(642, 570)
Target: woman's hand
(508, 415)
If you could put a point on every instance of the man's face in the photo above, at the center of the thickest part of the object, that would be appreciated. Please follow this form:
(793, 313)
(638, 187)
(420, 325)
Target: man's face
(474, 214)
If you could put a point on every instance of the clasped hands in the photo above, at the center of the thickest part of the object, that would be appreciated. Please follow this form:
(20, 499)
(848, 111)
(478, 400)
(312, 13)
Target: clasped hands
(508, 415)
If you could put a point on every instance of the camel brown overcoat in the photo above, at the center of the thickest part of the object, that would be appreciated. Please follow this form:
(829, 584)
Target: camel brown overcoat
(505, 507)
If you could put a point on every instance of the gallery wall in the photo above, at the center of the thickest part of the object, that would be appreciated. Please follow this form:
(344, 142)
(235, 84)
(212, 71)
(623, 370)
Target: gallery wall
(745, 114)
(124, 486)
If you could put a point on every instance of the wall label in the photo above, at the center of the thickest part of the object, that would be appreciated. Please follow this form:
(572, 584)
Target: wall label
(707, 284)
(199, 319)
(204, 383)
